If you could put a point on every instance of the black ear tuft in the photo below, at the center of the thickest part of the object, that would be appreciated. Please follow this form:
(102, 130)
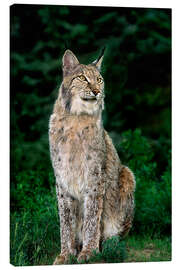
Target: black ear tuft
(99, 60)
(101, 54)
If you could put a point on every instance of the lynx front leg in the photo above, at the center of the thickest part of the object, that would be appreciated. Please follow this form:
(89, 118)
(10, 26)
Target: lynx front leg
(93, 205)
(67, 213)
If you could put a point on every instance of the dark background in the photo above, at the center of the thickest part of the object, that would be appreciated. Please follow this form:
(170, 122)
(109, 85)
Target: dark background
(137, 74)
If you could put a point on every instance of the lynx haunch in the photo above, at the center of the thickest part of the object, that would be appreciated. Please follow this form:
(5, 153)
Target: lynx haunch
(95, 192)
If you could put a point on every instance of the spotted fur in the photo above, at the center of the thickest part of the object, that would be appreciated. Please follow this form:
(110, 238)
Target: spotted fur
(95, 192)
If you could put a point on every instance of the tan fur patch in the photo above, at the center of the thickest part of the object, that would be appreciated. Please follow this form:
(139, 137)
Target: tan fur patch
(127, 181)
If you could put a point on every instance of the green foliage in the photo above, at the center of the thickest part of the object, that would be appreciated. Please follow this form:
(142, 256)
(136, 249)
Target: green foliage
(114, 250)
(153, 190)
(27, 190)
(35, 222)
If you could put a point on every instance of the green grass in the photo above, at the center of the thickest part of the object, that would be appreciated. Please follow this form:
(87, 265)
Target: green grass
(147, 249)
(35, 241)
(35, 233)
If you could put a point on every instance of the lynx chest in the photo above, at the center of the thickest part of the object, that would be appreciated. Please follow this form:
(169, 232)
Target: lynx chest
(77, 152)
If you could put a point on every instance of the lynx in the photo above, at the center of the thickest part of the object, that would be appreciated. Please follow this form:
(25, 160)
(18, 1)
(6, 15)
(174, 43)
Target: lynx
(95, 192)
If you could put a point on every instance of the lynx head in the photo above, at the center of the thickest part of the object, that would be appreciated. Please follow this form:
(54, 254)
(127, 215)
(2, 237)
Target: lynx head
(82, 89)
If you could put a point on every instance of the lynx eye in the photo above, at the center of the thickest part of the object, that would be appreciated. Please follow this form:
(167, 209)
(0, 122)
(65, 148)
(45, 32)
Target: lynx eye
(82, 78)
(99, 80)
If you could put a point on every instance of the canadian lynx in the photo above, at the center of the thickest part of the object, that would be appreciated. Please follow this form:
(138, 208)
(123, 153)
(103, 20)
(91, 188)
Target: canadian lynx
(95, 192)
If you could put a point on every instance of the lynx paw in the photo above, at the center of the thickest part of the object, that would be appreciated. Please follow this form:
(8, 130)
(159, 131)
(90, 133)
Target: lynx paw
(84, 255)
(61, 259)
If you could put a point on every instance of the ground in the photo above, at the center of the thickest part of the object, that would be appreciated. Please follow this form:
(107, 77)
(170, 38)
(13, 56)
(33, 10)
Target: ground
(148, 250)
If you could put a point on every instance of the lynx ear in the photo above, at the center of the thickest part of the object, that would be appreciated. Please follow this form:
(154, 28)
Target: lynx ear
(69, 62)
(98, 61)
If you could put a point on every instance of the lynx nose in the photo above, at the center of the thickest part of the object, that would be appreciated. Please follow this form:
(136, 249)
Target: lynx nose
(95, 91)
